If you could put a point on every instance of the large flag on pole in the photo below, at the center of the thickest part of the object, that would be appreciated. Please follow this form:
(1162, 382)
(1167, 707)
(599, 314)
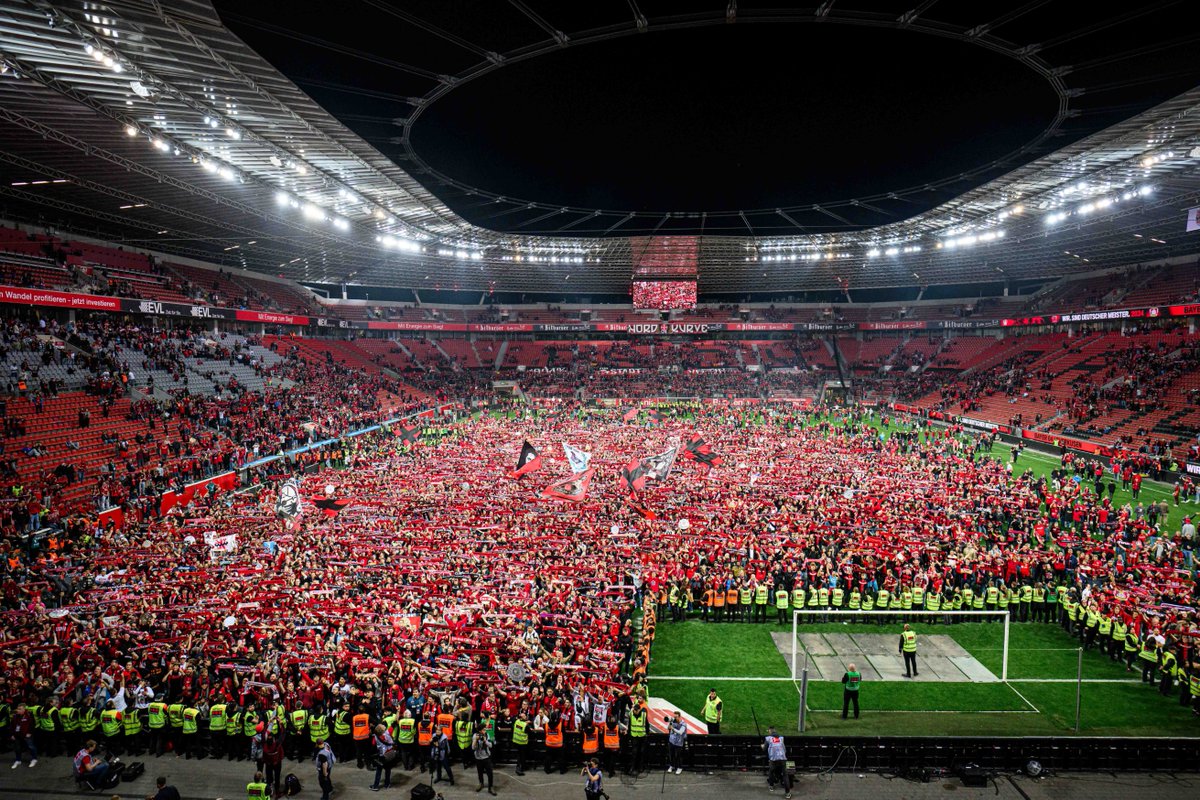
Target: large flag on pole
(659, 467)
(633, 476)
(572, 489)
(576, 458)
(287, 504)
(630, 415)
(408, 433)
(701, 451)
(530, 461)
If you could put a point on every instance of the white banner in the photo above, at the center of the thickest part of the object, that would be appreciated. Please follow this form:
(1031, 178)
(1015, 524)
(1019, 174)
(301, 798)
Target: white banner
(578, 459)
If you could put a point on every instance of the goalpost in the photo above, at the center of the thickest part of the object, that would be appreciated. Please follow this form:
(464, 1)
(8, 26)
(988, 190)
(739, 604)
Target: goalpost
(844, 615)
(799, 671)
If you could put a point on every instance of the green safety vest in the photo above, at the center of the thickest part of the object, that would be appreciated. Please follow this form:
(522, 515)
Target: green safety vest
(462, 734)
(234, 727)
(110, 722)
(299, 720)
(249, 723)
(781, 598)
(823, 596)
(407, 730)
(318, 727)
(1118, 631)
(1130, 642)
(341, 724)
(855, 601)
(797, 598)
(710, 709)
(1105, 626)
(933, 602)
(42, 717)
(918, 596)
(1039, 595)
(881, 600)
(744, 596)
(521, 731)
(90, 721)
(812, 597)
(189, 720)
(760, 595)
(1149, 650)
(894, 602)
(216, 718)
(157, 715)
(906, 600)
(133, 722)
(256, 791)
(637, 724)
(5, 715)
(1002, 599)
(910, 641)
(868, 603)
(175, 715)
(838, 596)
(993, 594)
(69, 717)
(852, 681)
(968, 596)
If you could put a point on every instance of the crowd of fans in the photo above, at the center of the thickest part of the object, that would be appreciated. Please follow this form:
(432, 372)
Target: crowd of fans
(424, 590)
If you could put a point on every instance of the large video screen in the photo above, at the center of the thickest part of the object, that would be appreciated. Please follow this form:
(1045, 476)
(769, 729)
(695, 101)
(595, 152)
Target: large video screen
(664, 295)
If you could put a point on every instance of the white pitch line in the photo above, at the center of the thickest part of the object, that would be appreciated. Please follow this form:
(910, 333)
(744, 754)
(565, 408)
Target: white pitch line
(932, 711)
(1031, 705)
(1073, 680)
(712, 678)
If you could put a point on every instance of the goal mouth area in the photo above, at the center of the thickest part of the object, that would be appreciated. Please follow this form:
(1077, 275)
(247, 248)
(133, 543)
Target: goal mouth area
(872, 641)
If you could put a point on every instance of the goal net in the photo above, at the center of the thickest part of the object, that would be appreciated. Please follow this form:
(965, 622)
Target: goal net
(872, 641)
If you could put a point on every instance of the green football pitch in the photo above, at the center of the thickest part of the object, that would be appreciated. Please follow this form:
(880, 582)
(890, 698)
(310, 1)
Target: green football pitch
(743, 663)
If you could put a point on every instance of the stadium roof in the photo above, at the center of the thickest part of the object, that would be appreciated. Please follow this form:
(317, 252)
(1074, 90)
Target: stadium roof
(153, 125)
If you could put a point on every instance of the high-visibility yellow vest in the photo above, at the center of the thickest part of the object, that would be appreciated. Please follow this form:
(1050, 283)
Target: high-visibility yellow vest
(216, 718)
(462, 734)
(256, 791)
(406, 731)
(318, 727)
(521, 731)
(637, 722)
(90, 721)
(249, 723)
(189, 720)
(781, 598)
(133, 723)
(69, 717)
(710, 708)
(157, 715)
(299, 719)
(110, 722)
(341, 723)
(175, 715)
(760, 595)
(910, 641)
(234, 727)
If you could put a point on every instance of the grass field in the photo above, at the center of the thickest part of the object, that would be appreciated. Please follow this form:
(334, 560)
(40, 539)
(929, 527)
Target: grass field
(1039, 698)
(752, 677)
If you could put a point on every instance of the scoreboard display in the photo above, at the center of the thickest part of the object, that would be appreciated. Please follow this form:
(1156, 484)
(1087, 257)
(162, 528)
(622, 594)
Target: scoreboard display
(664, 295)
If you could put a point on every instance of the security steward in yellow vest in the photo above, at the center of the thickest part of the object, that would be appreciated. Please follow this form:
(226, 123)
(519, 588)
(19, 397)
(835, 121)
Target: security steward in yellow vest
(175, 723)
(713, 710)
(908, 648)
(132, 723)
(781, 605)
(463, 730)
(635, 750)
(406, 738)
(298, 744)
(110, 726)
(1148, 657)
(257, 788)
(217, 723)
(190, 732)
(1168, 667)
(233, 734)
(760, 602)
(520, 739)
(343, 746)
(68, 717)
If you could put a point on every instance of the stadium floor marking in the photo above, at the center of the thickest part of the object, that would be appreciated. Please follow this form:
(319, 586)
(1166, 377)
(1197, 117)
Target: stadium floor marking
(1023, 698)
(928, 711)
(736, 678)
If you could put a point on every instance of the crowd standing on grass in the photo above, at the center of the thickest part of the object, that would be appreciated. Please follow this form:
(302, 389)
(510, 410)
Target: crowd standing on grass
(427, 592)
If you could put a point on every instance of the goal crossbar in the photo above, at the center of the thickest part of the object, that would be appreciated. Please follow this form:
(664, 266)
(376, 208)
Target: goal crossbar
(831, 614)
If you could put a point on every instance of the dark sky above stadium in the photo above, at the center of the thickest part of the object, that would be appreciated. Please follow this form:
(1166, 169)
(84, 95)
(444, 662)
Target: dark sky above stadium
(710, 116)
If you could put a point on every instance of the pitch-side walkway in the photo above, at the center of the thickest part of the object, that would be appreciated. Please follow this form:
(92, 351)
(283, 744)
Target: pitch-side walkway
(875, 655)
(209, 780)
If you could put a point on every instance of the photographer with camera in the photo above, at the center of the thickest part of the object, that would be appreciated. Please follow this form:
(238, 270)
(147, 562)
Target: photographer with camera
(676, 741)
(593, 788)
